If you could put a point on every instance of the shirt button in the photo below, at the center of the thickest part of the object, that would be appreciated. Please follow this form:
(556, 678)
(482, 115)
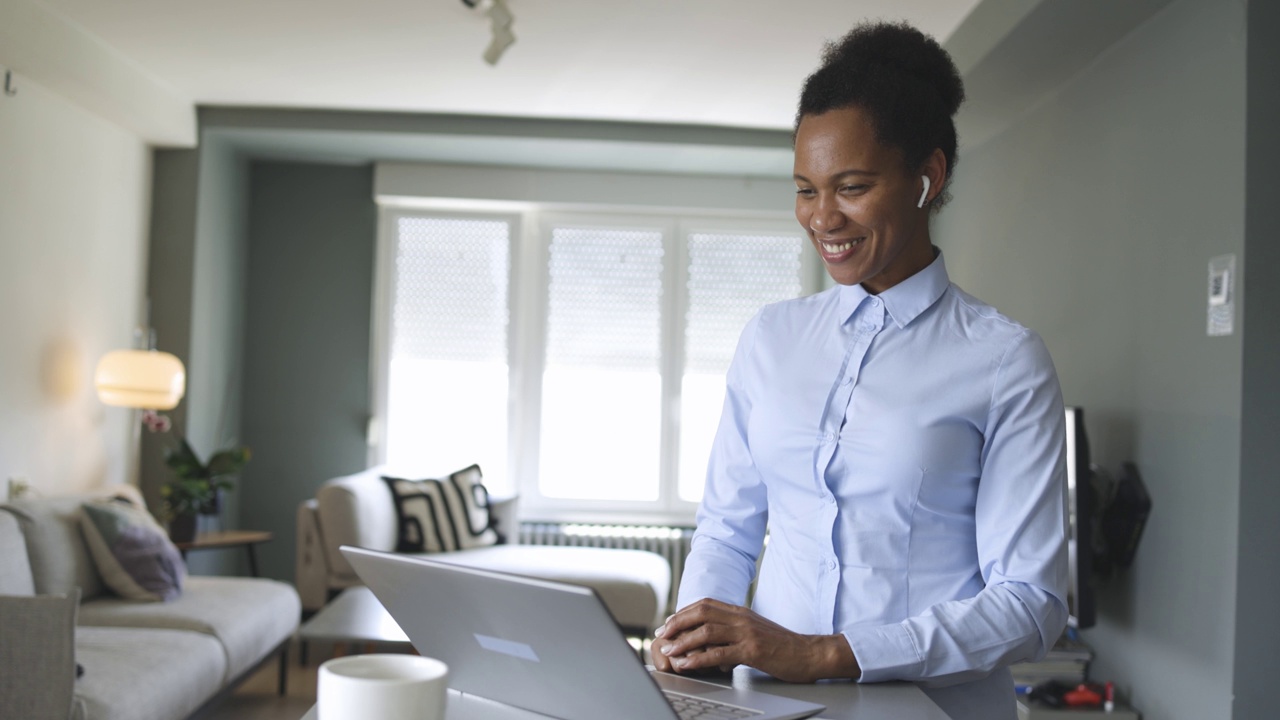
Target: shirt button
(828, 437)
(831, 564)
(847, 381)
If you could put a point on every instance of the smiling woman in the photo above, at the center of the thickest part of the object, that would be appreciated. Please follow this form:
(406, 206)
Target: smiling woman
(901, 441)
(856, 199)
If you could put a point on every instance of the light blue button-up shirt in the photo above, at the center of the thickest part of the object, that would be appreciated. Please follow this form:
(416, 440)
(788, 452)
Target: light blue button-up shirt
(905, 452)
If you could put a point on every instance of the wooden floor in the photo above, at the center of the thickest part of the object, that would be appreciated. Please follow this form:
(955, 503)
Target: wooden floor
(256, 698)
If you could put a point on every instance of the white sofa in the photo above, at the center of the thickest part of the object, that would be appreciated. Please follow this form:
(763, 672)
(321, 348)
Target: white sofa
(140, 660)
(359, 510)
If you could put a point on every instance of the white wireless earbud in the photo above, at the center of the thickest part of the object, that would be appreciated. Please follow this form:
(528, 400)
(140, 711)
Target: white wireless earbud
(924, 195)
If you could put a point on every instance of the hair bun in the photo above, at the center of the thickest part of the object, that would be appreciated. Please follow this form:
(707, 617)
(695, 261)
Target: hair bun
(902, 80)
(898, 48)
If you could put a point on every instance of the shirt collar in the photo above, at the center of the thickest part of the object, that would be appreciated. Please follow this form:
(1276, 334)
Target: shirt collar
(906, 300)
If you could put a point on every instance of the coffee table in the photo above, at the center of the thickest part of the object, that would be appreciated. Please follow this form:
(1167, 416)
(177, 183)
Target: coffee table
(355, 616)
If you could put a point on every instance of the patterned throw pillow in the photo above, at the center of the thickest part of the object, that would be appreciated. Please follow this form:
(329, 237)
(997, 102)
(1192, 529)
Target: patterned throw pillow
(442, 515)
(132, 552)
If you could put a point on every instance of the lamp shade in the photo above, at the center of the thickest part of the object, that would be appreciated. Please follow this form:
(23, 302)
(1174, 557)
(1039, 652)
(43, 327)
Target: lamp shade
(140, 379)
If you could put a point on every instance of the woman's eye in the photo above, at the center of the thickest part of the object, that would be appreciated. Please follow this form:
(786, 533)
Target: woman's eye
(804, 192)
(852, 188)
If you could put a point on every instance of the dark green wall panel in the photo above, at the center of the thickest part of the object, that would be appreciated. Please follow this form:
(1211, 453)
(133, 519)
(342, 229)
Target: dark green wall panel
(312, 231)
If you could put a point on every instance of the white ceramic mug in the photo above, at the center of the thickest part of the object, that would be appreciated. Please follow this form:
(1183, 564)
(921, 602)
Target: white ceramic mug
(386, 687)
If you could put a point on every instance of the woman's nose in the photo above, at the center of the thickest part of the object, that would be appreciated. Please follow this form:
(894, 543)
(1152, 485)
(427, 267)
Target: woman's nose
(825, 217)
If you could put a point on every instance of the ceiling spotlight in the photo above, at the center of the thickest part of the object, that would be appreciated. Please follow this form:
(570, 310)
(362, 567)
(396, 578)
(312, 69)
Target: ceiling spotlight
(500, 21)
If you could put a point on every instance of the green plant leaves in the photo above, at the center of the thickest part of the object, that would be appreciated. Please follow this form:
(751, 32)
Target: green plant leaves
(195, 483)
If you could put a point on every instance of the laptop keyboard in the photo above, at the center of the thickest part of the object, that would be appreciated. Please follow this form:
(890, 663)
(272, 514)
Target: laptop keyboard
(695, 708)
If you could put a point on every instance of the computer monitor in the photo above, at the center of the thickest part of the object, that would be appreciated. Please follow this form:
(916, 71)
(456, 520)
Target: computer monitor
(1081, 508)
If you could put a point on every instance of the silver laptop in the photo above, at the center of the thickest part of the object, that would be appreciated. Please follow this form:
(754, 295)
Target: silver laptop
(544, 646)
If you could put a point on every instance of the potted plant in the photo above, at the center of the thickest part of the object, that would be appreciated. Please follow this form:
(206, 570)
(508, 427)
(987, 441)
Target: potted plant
(196, 485)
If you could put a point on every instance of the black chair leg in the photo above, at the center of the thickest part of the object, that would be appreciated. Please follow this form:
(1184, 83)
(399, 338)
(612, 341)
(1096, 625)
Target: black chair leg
(284, 669)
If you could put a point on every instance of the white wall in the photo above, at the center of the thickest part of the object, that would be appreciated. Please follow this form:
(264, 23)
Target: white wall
(74, 197)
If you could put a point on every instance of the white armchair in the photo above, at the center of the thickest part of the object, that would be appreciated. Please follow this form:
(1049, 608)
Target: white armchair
(358, 510)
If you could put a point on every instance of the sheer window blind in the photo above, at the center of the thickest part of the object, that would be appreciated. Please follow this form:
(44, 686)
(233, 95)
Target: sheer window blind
(730, 277)
(586, 372)
(601, 384)
(448, 367)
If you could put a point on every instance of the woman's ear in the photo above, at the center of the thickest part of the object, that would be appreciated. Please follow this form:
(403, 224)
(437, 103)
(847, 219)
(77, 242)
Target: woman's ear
(933, 174)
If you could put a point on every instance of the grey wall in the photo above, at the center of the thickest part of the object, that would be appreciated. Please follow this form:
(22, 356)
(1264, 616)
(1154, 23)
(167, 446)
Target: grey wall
(1092, 218)
(170, 269)
(217, 327)
(1257, 624)
(312, 231)
(196, 287)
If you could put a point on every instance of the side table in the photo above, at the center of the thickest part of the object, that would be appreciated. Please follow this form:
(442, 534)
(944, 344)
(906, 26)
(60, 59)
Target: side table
(228, 539)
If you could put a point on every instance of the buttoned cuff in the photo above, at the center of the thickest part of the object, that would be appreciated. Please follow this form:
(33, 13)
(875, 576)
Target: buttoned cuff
(884, 652)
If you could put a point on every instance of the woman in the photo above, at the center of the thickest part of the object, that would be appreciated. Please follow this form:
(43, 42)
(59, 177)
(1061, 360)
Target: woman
(902, 441)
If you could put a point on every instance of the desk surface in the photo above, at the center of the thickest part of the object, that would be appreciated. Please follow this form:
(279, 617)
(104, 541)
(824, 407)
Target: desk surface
(844, 701)
(356, 615)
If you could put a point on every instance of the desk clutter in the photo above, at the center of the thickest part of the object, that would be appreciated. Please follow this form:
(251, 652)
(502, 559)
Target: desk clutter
(1066, 662)
(1058, 686)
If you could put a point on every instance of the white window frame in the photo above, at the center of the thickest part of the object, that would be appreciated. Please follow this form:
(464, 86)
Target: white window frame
(526, 340)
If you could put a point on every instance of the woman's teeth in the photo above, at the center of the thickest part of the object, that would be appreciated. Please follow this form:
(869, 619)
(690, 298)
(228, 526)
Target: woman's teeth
(834, 249)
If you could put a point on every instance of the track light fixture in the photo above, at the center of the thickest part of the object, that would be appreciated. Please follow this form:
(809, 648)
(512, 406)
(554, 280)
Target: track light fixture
(500, 21)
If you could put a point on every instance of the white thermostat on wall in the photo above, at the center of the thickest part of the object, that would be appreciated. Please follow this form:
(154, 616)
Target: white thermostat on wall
(1222, 276)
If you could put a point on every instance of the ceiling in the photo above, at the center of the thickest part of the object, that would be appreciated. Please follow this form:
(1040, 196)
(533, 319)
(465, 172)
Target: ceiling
(715, 62)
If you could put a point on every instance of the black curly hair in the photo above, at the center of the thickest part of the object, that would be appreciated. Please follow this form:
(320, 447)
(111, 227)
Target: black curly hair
(902, 79)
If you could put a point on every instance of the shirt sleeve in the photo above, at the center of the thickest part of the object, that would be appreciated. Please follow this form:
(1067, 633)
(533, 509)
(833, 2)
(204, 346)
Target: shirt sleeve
(1021, 525)
(732, 516)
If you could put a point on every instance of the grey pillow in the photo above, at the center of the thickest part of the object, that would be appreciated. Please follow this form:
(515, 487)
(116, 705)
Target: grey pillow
(132, 552)
(38, 654)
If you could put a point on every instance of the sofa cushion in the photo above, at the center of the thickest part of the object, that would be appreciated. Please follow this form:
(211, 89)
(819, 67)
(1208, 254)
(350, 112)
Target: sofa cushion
(146, 674)
(249, 616)
(132, 552)
(443, 515)
(15, 568)
(60, 560)
(37, 655)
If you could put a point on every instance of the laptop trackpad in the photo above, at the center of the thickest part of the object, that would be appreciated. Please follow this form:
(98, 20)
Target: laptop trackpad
(770, 706)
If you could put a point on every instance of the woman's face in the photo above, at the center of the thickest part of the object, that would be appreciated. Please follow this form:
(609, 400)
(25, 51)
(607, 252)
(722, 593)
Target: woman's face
(857, 202)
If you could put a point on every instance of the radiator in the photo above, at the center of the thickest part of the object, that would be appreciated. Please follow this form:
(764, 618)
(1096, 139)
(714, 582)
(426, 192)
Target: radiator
(671, 543)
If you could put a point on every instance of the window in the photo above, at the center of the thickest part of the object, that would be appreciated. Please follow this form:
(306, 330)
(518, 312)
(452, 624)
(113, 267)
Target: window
(580, 359)
(730, 276)
(602, 380)
(446, 405)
